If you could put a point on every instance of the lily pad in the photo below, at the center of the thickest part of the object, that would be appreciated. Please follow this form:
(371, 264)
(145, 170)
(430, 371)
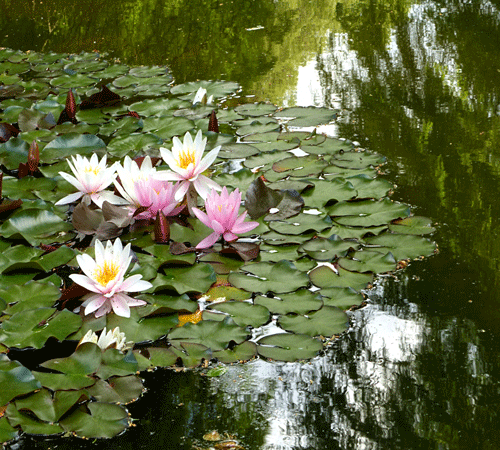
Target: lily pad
(239, 353)
(288, 347)
(301, 301)
(72, 144)
(322, 249)
(341, 297)
(97, 420)
(367, 213)
(309, 116)
(280, 277)
(325, 277)
(214, 334)
(15, 380)
(369, 261)
(413, 225)
(255, 109)
(402, 246)
(243, 313)
(197, 278)
(328, 321)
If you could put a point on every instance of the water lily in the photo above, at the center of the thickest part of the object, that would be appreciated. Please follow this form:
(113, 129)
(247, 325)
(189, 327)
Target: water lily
(187, 164)
(91, 178)
(105, 277)
(222, 216)
(113, 338)
(201, 97)
(139, 187)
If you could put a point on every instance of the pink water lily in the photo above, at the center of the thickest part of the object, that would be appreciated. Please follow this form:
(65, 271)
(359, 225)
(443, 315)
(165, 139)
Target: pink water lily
(222, 216)
(105, 277)
(139, 187)
(187, 164)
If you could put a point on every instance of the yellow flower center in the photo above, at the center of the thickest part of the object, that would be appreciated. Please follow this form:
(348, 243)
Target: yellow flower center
(103, 275)
(186, 158)
(94, 169)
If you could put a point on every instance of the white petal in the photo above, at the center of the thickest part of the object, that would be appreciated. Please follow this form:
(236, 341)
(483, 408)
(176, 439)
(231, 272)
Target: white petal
(69, 199)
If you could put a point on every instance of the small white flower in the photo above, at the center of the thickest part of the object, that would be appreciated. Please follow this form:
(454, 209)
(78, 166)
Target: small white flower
(201, 97)
(91, 178)
(130, 173)
(187, 164)
(113, 338)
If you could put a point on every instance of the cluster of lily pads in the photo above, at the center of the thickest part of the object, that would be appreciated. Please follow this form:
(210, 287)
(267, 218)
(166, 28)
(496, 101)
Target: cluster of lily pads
(324, 228)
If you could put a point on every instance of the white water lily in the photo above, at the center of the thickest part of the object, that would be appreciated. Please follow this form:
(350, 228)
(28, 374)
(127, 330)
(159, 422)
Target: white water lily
(104, 276)
(91, 178)
(113, 338)
(187, 164)
(201, 97)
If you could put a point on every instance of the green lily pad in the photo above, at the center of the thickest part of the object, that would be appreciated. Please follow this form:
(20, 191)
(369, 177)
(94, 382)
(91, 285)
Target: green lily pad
(301, 224)
(368, 187)
(197, 278)
(412, 225)
(47, 406)
(34, 225)
(367, 213)
(326, 322)
(32, 295)
(32, 328)
(167, 127)
(301, 301)
(239, 353)
(19, 257)
(15, 380)
(64, 381)
(30, 425)
(14, 152)
(213, 334)
(325, 277)
(329, 146)
(237, 150)
(118, 390)
(84, 361)
(255, 109)
(216, 88)
(133, 144)
(341, 297)
(97, 420)
(402, 246)
(7, 431)
(322, 249)
(72, 144)
(288, 347)
(243, 313)
(190, 354)
(300, 166)
(324, 191)
(369, 261)
(309, 116)
(357, 160)
(280, 277)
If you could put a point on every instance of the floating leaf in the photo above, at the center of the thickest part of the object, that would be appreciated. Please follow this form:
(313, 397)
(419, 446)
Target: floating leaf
(243, 313)
(327, 249)
(328, 321)
(301, 301)
(301, 224)
(72, 144)
(367, 213)
(192, 279)
(309, 116)
(239, 353)
(32, 295)
(32, 328)
(29, 424)
(341, 297)
(255, 109)
(97, 420)
(288, 347)
(190, 354)
(119, 390)
(15, 380)
(324, 277)
(277, 277)
(84, 361)
(402, 246)
(214, 334)
(412, 225)
(368, 261)
(64, 381)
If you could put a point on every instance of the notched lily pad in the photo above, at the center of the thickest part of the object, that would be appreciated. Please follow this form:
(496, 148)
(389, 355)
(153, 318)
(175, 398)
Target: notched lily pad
(243, 313)
(328, 321)
(309, 116)
(288, 347)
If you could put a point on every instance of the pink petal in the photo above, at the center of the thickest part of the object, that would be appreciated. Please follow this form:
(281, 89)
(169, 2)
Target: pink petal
(181, 192)
(204, 185)
(103, 310)
(135, 284)
(202, 217)
(229, 237)
(93, 303)
(86, 282)
(217, 227)
(209, 241)
(120, 305)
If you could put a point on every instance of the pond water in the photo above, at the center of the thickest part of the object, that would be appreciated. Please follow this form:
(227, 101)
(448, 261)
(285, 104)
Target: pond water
(418, 82)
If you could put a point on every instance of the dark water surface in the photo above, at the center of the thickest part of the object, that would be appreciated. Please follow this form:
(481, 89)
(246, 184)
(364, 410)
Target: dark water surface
(418, 82)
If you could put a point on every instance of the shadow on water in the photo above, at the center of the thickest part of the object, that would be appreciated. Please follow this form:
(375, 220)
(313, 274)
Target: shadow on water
(417, 82)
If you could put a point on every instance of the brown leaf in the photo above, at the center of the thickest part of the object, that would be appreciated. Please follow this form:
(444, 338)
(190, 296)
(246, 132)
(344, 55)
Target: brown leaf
(9, 205)
(7, 131)
(245, 250)
(104, 98)
(259, 198)
(117, 215)
(178, 248)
